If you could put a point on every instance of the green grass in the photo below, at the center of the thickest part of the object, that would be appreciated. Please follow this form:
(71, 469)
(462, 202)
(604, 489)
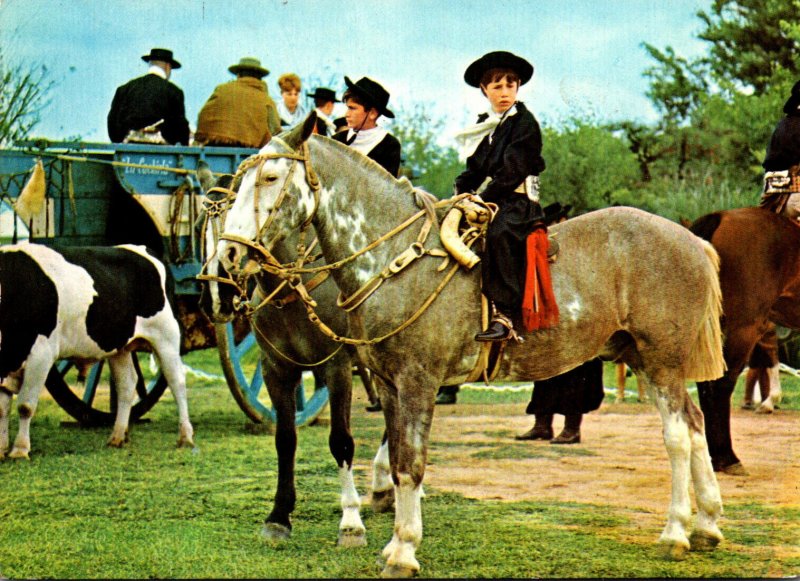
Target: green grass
(81, 510)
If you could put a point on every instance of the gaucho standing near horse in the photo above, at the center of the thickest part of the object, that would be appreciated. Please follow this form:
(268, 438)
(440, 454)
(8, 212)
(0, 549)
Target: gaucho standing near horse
(782, 162)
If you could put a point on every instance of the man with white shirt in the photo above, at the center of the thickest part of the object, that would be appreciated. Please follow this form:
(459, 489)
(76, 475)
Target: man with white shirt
(150, 100)
(366, 101)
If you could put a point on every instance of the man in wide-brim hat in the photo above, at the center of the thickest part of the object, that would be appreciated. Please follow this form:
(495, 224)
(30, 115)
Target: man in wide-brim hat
(324, 101)
(239, 113)
(366, 101)
(150, 100)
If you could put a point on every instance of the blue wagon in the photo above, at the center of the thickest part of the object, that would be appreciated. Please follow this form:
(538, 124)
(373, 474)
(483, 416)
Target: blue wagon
(105, 194)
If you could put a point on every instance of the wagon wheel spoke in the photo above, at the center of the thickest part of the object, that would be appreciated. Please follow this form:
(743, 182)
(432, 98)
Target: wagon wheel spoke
(141, 388)
(92, 381)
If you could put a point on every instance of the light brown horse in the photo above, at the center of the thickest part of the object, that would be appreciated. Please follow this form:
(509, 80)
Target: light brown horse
(629, 285)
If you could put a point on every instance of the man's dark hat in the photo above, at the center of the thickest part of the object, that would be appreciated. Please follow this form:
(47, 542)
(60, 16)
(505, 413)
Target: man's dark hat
(794, 100)
(325, 94)
(249, 64)
(498, 60)
(372, 93)
(161, 54)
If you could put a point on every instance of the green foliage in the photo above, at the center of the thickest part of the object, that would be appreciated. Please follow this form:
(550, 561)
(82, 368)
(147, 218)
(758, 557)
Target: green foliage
(427, 163)
(751, 40)
(587, 166)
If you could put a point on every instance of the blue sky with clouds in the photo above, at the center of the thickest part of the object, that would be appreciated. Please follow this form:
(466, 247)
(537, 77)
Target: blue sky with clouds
(587, 54)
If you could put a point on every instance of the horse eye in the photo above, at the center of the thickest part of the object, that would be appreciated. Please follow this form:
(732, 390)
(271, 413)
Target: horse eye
(269, 179)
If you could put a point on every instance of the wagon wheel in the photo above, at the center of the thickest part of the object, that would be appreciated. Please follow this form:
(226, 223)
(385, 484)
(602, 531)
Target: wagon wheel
(93, 402)
(241, 364)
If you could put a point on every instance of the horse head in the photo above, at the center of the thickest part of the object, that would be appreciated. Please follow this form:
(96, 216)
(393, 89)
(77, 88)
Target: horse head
(216, 298)
(272, 201)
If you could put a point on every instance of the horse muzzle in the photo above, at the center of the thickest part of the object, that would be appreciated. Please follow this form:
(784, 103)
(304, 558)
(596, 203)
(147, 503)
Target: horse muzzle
(235, 258)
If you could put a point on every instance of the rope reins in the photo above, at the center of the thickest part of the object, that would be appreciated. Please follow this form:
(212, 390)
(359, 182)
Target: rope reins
(290, 272)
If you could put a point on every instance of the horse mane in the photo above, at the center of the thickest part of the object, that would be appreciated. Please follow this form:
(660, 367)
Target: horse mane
(705, 226)
(404, 187)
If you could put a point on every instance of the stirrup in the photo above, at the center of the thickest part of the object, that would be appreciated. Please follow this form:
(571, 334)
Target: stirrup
(499, 317)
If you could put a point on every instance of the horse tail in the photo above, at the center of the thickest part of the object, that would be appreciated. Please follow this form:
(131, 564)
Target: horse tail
(706, 361)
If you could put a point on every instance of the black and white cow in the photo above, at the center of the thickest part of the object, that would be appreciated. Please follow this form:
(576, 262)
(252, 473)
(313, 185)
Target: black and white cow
(87, 303)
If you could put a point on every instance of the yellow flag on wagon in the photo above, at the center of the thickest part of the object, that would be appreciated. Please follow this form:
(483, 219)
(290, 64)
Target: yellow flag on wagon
(30, 201)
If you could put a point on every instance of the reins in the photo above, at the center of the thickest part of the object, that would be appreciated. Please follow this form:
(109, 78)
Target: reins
(290, 272)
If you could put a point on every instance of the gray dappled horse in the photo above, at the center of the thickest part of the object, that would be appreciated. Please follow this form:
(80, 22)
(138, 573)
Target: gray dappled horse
(630, 286)
(289, 345)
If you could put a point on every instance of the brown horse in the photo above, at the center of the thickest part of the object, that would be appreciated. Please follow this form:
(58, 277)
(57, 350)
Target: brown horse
(630, 286)
(760, 278)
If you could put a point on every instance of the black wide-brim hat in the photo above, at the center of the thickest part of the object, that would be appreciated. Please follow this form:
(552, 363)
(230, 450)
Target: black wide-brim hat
(794, 100)
(324, 93)
(161, 54)
(499, 59)
(555, 211)
(371, 92)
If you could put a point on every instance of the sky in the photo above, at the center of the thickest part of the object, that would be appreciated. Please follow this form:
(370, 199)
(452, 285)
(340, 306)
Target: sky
(587, 54)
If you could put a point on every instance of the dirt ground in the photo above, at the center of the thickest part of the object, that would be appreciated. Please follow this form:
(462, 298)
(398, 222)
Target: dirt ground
(621, 460)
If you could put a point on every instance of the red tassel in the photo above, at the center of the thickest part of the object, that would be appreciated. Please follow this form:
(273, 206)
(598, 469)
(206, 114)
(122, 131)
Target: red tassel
(539, 308)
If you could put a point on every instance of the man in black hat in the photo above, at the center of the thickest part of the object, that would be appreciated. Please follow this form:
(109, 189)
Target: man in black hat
(324, 100)
(150, 100)
(782, 162)
(366, 101)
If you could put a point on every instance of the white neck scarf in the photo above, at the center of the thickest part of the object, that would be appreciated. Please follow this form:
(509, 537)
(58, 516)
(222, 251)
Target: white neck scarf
(158, 71)
(469, 138)
(327, 120)
(291, 118)
(366, 139)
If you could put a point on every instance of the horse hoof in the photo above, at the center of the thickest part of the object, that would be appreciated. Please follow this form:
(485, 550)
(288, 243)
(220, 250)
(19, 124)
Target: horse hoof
(19, 454)
(735, 470)
(747, 405)
(273, 531)
(397, 572)
(701, 541)
(764, 410)
(382, 500)
(352, 538)
(115, 443)
(185, 443)
(674, 551)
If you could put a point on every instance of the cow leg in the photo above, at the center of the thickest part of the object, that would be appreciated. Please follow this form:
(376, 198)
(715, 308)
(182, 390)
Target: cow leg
(352, 532)
(281, 386)
(167, 349)
(5, 410)
(410, 431)
(36, 369)
(125, 378)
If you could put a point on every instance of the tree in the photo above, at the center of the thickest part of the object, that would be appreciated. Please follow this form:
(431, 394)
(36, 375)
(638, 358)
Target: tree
(24, 90)
(751, 40)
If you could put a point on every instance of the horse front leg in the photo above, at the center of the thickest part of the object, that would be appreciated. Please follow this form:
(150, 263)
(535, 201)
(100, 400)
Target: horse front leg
(281, 388)
(408, 446)
(352, 532)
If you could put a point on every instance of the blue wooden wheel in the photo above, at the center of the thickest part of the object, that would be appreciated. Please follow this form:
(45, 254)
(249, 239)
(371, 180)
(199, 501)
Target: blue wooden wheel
(241, 364)
(92, 400)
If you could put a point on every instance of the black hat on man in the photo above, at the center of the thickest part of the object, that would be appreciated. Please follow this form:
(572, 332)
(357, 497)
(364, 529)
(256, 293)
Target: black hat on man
(372, 93)
(794, 100)
(324, 94)
(161, 54)
(499, 59)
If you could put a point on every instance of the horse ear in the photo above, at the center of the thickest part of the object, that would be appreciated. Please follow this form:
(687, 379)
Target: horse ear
(300, 133)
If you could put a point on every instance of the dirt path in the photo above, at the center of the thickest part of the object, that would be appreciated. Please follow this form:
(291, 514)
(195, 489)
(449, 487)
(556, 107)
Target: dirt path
(621, 460)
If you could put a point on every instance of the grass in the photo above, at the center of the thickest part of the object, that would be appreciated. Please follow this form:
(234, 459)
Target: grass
(81, 510)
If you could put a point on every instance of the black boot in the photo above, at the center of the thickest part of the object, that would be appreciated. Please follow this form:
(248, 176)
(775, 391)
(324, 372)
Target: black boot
(571, 434)
(541, 430)
(447, 394)
(499, 329)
